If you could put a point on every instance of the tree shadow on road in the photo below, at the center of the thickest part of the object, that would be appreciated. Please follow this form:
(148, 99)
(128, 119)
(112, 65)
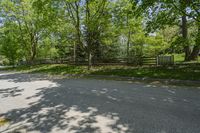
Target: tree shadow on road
(11, 92)
(89, 106)
(62, 108)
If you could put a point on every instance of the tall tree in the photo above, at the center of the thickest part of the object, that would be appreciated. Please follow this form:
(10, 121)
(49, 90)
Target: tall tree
(162, 13)
(94, 10)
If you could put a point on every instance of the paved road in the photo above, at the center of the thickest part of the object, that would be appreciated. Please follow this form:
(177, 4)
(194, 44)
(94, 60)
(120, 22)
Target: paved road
(34, 103)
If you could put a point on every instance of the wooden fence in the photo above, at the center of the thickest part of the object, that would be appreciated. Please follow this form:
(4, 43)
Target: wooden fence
(153, 61)
(165, 60)
(149, 61)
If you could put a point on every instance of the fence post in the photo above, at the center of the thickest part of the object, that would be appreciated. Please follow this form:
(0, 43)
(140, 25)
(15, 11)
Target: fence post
(173, 62)
(157, 60)
(74, 53)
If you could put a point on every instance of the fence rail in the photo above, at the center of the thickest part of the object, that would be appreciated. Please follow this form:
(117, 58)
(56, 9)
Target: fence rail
(165, 60)
(160, 60)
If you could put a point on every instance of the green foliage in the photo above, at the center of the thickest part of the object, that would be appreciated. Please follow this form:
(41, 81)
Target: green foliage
(9, 46)
(163, 14)
(35, 29)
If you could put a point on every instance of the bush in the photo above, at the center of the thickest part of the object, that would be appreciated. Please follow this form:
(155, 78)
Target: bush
(5, 62)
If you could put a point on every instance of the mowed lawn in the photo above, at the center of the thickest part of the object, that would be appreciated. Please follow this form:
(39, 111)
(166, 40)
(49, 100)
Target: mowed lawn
(191, 72)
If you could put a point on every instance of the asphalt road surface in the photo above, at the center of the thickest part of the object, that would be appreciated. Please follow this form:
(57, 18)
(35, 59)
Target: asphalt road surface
(33, 103)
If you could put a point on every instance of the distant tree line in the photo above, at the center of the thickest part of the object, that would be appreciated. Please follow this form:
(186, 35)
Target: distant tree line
(98, 29)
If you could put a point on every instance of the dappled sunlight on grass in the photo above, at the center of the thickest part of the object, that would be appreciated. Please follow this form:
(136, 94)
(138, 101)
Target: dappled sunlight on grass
(176, 72)
(60, 69)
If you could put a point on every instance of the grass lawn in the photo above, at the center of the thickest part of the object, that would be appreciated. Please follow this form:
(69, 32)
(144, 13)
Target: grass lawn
(55, 69)
(184, 73)
(179, 58)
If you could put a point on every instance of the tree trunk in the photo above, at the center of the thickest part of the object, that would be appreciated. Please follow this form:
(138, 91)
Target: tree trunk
(88, 35)
(74, 11)
(75, 53)
(128, 45)
(34, 41)
(194, 54)
(89, 60)
(185, 37)
(196, 49)
(129, 36)
(79, 45)
(187, 52)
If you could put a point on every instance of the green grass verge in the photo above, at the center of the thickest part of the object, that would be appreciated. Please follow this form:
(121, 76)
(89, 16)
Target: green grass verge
(183, 72)
(179, 58)
(60, 69)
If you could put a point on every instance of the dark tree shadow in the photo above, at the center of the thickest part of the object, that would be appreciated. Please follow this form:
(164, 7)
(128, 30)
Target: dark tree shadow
(23, 77)
(11, 92)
